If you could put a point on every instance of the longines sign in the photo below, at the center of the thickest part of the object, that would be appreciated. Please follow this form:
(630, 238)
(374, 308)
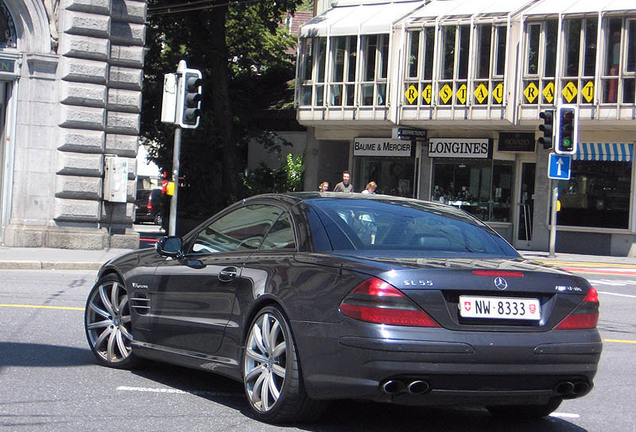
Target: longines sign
(381, 147)
(459, 148)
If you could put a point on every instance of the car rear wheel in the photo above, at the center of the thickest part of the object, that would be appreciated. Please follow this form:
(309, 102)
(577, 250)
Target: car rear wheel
(271, 371)
(525, 411)
(107, 323)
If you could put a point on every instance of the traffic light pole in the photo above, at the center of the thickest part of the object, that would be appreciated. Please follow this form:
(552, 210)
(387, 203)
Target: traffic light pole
(172, 229)
(553, 217)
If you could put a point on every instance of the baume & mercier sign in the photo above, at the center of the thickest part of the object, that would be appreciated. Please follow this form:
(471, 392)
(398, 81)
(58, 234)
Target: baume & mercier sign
(381, 147)
(465, 148)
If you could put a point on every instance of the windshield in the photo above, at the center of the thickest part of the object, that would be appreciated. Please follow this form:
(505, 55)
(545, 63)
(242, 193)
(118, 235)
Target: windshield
(383, 224)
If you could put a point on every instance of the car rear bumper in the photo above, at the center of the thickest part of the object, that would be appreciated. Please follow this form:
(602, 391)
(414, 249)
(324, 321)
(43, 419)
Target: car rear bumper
(442, 367)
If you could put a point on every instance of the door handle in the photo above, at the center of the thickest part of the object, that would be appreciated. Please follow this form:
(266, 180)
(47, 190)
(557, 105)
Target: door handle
(228, 274)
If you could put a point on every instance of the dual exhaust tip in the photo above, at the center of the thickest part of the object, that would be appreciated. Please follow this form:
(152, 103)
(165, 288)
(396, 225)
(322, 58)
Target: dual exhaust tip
(415, 387)
(419, 387)
(569, 388)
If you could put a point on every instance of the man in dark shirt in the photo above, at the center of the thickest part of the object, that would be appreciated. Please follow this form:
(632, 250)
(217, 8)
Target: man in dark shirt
(344, 185)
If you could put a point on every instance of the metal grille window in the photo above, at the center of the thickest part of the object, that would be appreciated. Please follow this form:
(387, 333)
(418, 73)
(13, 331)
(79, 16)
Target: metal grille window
(418, 83)
(579, 60)
(490, 63)
(312, 71)
(343, 70)
(375, 57)
(540, 59)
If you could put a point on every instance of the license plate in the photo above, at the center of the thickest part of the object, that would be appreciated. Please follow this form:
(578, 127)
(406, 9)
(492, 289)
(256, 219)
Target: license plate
(499, 308)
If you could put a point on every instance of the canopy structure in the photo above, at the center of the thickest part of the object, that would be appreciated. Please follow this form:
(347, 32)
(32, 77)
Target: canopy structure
(353, 19)
(612, 152)
(551, 7)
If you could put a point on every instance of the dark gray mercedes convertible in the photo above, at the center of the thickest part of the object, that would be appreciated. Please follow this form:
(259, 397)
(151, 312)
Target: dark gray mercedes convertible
(309, 297)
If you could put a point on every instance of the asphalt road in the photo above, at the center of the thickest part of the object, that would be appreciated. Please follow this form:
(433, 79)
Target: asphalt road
(50, 382)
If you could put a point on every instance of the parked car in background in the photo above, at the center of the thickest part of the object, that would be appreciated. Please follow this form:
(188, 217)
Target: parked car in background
(310, 297)
(148, 206)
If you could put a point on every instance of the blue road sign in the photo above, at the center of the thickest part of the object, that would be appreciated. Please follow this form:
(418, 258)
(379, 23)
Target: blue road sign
(560, 166)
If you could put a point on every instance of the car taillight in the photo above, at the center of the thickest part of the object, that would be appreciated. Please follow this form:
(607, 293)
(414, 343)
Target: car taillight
(149, 205)
(379, 302)
(585, 316)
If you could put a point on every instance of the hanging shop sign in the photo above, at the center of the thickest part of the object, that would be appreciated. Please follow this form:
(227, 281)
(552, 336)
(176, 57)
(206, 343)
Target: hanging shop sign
(381, 147)
(516, 142)
(466, 148)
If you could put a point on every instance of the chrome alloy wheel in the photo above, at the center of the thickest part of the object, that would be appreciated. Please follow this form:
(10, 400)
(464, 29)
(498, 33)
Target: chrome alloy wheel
(107, 321)
(265, 362)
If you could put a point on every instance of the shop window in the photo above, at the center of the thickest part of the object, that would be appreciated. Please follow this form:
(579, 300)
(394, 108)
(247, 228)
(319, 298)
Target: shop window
(490, 63)
(393, 175)
(480, 187)
(312, 71)
(419, 67)
(375, 52)
(597, 195)
(343, 70)
(540, 62)
(579, 59)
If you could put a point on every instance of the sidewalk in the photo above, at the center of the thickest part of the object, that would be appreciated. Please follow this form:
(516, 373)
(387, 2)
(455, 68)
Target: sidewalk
(15, 258)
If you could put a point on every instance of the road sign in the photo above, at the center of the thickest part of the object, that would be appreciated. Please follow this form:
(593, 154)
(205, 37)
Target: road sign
(560, 167)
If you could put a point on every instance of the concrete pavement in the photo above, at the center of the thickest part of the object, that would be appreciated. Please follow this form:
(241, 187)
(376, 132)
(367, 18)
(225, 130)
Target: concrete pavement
(70, 259)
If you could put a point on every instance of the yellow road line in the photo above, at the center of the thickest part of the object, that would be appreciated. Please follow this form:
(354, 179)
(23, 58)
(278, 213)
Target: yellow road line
(620, 341)
(42, 307)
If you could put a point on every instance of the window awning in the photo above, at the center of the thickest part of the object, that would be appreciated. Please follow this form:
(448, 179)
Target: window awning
(611, 152)
(550, 7)
(349, 20)
(467, 8)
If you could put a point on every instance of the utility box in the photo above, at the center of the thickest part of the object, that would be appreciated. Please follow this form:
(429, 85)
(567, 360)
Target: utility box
(116, 179)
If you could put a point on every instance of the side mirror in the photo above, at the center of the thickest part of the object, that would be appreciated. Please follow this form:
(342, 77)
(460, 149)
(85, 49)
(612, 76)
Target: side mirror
(169, 246)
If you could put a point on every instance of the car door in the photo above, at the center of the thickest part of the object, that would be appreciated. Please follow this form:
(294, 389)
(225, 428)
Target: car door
(193, 306)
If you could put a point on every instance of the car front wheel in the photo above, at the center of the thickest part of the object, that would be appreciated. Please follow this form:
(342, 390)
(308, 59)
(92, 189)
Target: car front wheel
(271, 371)
(107, 323)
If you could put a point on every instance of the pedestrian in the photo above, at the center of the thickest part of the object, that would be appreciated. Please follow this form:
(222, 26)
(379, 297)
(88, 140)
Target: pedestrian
(323, 187)
(370, 189)
(344, 185)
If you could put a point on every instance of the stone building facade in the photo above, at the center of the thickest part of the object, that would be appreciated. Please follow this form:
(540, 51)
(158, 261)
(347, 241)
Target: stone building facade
(70, 87)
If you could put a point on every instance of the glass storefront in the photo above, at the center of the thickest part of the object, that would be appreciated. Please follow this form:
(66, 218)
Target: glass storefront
(481, 187)
(597, 195)
(393, 175)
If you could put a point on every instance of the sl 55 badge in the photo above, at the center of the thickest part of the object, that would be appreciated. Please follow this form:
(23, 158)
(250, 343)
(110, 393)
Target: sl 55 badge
(418, 283)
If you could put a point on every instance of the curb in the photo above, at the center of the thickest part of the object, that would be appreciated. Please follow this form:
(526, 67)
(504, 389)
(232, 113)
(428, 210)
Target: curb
(49, 265)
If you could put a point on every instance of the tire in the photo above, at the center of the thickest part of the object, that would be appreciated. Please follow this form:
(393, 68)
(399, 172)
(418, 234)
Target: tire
(271, 372)
(107, 323)
(527, 412)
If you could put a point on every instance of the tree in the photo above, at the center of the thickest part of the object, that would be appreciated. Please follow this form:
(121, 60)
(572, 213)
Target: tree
(243, 53)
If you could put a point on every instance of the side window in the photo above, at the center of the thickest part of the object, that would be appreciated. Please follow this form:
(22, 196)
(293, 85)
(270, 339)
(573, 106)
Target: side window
(240, 230)
(281, 236)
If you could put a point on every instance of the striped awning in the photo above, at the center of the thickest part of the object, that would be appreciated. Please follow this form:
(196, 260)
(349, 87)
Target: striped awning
(611, 152)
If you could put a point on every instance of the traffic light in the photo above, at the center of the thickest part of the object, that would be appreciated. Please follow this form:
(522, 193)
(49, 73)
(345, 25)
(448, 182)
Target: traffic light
(190, 95)
(567, 129)
(547, 128)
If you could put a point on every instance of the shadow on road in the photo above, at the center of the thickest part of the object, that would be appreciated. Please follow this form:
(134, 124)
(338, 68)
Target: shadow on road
(41, 355)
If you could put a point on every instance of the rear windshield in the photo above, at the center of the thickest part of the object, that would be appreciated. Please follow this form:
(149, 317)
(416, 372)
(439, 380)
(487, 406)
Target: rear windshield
(384, 224)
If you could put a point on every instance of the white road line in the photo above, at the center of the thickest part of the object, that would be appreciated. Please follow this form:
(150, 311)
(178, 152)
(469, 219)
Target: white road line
(565, 415)
(616, 294)
(175, 391)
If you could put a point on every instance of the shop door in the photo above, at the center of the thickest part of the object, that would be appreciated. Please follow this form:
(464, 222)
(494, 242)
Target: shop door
(525, 207)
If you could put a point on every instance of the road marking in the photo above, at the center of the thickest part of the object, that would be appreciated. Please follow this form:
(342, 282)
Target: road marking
(42, 307)
(600, 271)
(616, 294)
(176, 391)
(620, 341)
(565, 415)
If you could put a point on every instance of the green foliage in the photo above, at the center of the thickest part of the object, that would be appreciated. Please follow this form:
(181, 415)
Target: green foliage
(287, 178)
(252, 64)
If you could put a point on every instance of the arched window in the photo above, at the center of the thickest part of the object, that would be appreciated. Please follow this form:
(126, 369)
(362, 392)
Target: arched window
(7, 28)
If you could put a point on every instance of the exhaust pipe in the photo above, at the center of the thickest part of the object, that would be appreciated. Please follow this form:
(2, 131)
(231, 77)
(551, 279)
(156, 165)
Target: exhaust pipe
(392, 387)
(418, 387)
(565, 388)
(580, 387)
